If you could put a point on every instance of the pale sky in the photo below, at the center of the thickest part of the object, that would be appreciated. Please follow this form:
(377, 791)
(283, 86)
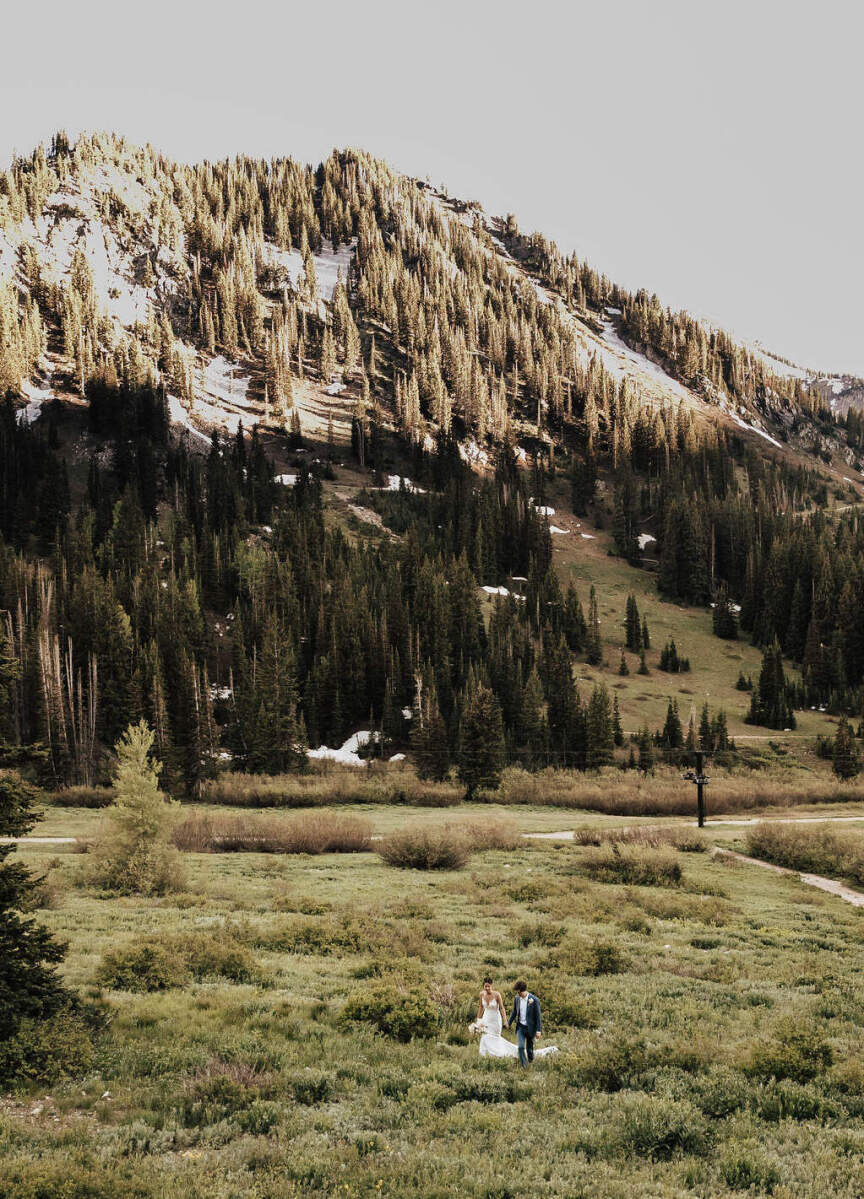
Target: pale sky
(710, 152)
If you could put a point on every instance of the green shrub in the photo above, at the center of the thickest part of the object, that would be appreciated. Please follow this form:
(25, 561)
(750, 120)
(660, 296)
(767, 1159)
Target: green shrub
(660, 1128)
(260, 1117)
(144, 965)
(214, 1098)
(212, 956)
(636, 867)
(398, 1013)
(749, 1169)
(539, 932)
(797, 1051)
(605, 1064)
(721, 1092)
(311, 1087)
(155, 964)
(323, 936)
(47, 1049)
(787, 1100)
(589, 958)
(562, 1009)
(813, 849)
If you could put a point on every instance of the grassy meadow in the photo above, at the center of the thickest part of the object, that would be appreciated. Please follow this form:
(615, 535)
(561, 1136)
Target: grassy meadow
(307, 1034)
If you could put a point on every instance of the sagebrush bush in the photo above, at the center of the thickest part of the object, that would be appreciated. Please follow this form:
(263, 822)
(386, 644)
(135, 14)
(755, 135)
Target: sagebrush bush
(605, 1063)
(397, 1011)
(157, 964)
(217, 956)
(316, 833)
(327, 935)
(797, 1050)
(749, 1169)
(425, 849)
(445, 847)
(633, 866)
(579, 956)
(659, 1128)
(144, 965)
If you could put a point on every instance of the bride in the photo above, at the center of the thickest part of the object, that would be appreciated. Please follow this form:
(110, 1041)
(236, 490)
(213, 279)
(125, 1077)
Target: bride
(491, 1017)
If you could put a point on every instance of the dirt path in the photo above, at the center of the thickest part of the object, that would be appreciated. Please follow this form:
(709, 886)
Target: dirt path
(856, 898)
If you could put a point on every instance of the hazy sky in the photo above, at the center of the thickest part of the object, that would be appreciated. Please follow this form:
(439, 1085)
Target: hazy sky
(709, 151)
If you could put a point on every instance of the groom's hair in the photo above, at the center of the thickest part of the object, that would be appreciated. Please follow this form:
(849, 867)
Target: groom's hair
(520, 986)
(487, 980)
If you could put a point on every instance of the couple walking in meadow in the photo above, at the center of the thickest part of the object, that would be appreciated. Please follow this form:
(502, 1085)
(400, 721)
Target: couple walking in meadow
(525, 1017)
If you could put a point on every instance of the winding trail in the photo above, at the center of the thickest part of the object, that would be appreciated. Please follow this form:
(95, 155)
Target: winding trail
(856, 898)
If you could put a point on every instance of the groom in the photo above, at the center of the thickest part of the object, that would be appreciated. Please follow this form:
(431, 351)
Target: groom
(526, 1017)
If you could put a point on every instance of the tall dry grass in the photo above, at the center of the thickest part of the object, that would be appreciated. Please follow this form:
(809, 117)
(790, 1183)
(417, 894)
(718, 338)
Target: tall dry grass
(327, 784)
(313, 833)
(618, 793)
(684, 839)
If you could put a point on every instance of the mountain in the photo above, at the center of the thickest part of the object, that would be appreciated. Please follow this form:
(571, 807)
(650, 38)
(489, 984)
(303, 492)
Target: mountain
(252, 291)
(300, 457)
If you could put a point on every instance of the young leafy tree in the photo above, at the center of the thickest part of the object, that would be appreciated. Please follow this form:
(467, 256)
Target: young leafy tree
(29, 986)
(135, 856)
(480, 756)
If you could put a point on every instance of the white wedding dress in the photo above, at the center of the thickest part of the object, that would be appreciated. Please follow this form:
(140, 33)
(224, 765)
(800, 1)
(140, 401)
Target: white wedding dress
(492, 1044)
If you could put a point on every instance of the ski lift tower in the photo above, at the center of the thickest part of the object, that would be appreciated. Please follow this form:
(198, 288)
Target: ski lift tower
(700, 778)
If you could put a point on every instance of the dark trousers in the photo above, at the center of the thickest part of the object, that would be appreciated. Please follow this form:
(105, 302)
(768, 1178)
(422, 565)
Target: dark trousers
(525, 1044)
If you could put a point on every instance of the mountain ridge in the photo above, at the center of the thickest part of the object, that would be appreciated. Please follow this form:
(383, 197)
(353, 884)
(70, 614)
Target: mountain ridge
(159, 241)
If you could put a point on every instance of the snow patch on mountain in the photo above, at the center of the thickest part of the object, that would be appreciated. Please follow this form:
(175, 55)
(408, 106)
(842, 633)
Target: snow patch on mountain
(328, 265)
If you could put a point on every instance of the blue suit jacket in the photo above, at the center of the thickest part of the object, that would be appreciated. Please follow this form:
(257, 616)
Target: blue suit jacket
(533, 1020)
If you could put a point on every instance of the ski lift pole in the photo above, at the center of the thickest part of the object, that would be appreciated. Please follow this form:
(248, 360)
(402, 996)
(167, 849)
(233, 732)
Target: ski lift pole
(699, 777)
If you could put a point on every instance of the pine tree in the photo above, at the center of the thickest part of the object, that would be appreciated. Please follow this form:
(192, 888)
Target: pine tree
(600, 733)
(770, 702)
(617, 731)
(273, 734)
(643, 665)
(135, 855)
(632, 625)
(845, 758)
(429, 745)
(646, 636)
(623, 668)
(724, 618)
(672, 736)
(480, 756)
(706, 731)
(646, 751)
(29, 987)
